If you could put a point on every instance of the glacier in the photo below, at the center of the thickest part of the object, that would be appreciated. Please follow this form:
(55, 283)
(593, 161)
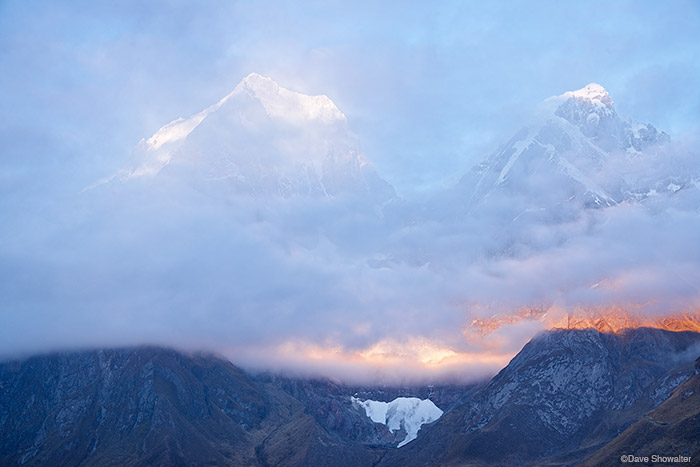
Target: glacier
(409, 413)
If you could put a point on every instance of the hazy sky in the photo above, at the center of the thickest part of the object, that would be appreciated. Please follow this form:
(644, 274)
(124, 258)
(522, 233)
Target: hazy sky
(429, 88)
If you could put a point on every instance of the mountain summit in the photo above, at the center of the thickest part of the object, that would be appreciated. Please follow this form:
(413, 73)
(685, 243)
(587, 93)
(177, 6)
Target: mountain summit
(262, 140)
(594, 93)
(277, 102)
(592, 110)
(576, 153)
(292, 106)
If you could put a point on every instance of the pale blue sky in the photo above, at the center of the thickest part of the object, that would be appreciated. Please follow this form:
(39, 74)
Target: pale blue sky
(430, 88)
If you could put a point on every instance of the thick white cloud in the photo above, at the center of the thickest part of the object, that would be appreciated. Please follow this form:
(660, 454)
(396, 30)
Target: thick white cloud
(428, 90)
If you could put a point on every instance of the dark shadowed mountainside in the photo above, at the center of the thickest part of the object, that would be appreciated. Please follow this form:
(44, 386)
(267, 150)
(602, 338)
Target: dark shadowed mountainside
(564, 396)
(568, 396)
(672, 429)
(151, 406)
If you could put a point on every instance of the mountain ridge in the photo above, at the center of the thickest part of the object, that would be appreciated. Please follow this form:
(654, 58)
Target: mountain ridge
(157, 406)
(261, 141)
(569, 142)
(609, 319)
(562, 398)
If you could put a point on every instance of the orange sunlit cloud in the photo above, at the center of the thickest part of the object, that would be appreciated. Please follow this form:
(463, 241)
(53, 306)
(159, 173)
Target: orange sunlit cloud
(412, 359)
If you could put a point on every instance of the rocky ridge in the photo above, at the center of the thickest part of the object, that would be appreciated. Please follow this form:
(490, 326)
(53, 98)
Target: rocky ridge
(563, 398)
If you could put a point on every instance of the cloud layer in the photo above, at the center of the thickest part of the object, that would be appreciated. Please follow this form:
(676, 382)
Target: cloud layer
(324, 285)
(338, 286)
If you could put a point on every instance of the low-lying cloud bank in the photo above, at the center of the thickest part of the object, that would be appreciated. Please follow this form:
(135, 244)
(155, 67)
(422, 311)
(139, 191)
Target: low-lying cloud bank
(324, 285)
(328, 272)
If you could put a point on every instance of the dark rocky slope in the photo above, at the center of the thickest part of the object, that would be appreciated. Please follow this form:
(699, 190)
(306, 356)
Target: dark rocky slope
(671, 429)
(152, 406)
(567, 396)
(564, 396)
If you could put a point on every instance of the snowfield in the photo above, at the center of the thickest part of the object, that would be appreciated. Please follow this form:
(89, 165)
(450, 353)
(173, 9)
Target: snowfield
(407, 413)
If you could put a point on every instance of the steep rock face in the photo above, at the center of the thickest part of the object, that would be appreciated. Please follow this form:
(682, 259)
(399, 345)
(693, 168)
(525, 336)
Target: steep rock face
(569, 389)
(566, 394)
(332, 407)
(152, 406)
(125, 406)
(330, 404)
(561, 399)
(671, 429)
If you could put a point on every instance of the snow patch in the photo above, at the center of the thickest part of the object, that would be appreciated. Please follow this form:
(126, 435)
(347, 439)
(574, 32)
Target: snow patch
(592, 92)
(180, 128)
(409, 413)
(288, 105)
(672, 187)
(590, 185)
(519, 146)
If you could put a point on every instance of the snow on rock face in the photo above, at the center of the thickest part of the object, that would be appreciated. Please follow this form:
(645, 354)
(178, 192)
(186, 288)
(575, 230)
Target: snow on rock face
(261, 141)
(573, 155)
(594, 93)
(408, 413)
(288, 105)
(592, 110)
(278, 102)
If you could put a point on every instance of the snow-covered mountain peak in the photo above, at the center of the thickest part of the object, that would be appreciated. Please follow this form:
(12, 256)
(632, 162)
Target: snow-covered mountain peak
(592, 111)
(259, 84)
(261, 140)
(288, 105)
(586, 107)
(592, 92)
(278, 102)
(582, 147)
